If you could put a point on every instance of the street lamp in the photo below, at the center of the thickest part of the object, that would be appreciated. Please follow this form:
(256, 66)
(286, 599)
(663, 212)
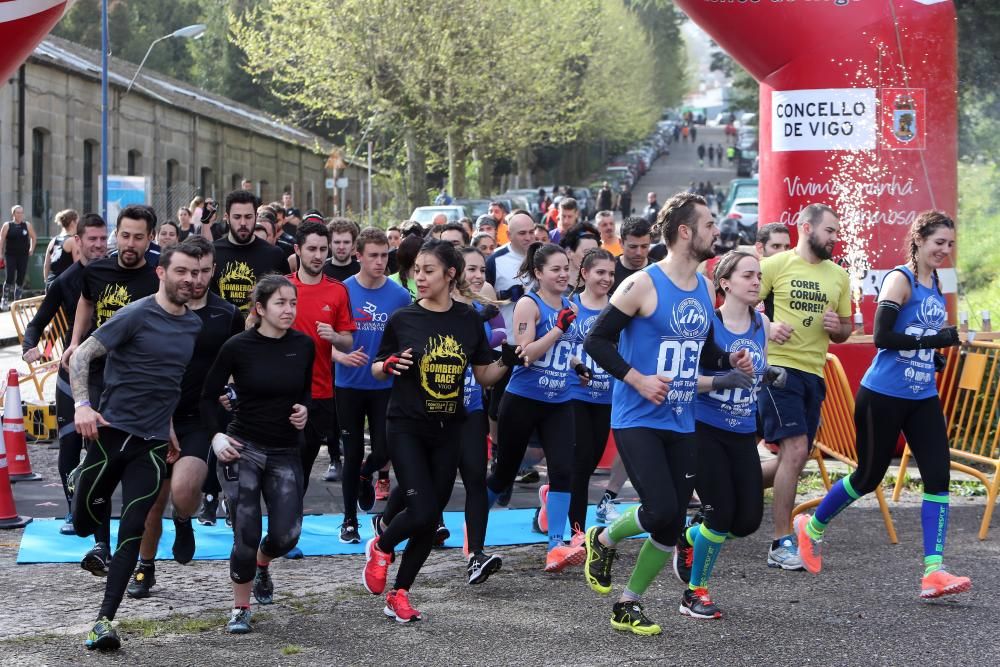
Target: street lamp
(188, 32)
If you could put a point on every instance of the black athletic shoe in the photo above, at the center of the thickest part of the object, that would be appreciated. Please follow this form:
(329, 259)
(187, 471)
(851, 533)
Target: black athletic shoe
(441, 536)
(377, 529)
(527, 476)
(628, 616)
(366, 495)
(597, 567)
(103, 637)
(504, 498)
(263, 587)
(481, 566)
(143, 579)
(226, 514)
(349, 532)
(683, 558)
(183, 541)
(208, 511)
(696, 604)
(97, 559)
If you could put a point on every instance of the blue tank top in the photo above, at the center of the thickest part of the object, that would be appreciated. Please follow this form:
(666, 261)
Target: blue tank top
(910, 373)
(548, 379)
(734, 409)
(668, 343)
(473, 391)
(371, 309)
(599, 389)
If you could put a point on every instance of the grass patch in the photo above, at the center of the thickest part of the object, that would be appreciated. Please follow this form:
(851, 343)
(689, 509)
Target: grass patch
(177, 624)
(291, 649)
(978, 247)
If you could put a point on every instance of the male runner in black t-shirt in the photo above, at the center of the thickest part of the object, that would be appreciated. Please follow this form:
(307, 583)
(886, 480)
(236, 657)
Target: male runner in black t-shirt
(108, 285)
(342, 263)
(220, 320)
(64, 293)
(241, 258)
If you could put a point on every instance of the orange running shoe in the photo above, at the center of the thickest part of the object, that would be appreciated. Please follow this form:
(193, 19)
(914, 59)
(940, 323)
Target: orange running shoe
(810, 549)
(939, 583)
(543, 510)
(564, 555)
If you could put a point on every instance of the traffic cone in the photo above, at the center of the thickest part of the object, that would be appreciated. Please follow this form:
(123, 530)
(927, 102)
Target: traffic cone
(13, 432)
(9, 518)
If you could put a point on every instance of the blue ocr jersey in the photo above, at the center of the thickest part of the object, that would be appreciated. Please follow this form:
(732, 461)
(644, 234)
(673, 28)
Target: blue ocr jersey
(910, 373)
(599, 389)
(473, 391)
(667, 343)
(548, 379)
(735, 409)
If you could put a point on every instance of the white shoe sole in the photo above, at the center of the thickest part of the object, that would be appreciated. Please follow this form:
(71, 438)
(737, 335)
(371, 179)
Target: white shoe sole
(701, 617)
(791, 568)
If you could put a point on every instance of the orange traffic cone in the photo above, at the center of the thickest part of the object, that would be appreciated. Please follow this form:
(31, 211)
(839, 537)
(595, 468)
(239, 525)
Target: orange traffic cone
(9, 518)
(13, 432)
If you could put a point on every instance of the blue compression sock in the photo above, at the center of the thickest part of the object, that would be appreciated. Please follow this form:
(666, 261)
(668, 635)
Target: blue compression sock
(707, 545)
(558, 509)
(837, 499)
(934, 521)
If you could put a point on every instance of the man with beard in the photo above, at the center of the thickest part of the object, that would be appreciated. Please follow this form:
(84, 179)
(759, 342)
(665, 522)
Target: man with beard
(130, 433)
(219, 321)
(342, 263)
(323, 313)
(64, 293)
(108, 285)
(241, 258)
(668, 306)
(807, 297)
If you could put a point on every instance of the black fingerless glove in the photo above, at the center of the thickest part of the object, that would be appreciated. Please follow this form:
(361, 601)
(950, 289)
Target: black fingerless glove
(947, 337)
(775, 376)
(584, 372)
(509, 356)
(734, 379)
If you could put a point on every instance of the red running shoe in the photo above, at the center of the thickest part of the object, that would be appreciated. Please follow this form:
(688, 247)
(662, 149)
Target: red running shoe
(376, 567)
(397, 606)
(939, 583)
(382, 489)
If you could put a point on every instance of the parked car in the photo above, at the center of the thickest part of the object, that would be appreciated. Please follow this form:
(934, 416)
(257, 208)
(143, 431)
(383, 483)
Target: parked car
(475, 207)
(745, 162)
(531, 196)
(740, 188)
(744, 213)
(425, 214)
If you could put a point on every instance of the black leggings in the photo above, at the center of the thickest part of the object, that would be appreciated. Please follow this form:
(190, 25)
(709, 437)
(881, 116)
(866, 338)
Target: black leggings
(70, 442)
(879, 419)
(729, 480)
(353, 406)
(17, 268)
(322, 418)
(472, 465)
(519, 417)
(593, 423)
(426, 464)
(274, 474)
(118, 457)
(662, 466)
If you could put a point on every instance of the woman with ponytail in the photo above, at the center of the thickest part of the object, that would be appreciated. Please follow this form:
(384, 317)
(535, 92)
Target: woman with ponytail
(898, 394)
(426, 348)
(538, 396)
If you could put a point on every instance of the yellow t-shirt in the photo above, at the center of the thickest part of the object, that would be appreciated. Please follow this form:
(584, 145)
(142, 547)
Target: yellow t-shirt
(615, 248)
(802, 292)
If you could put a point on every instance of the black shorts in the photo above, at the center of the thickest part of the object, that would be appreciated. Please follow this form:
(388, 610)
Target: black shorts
(194, 437)
(794, 409)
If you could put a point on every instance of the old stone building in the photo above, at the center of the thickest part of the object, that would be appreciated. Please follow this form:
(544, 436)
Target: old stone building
(184, 140)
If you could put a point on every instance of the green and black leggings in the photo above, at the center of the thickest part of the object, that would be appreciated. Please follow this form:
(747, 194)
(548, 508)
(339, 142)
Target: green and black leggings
(138, 465)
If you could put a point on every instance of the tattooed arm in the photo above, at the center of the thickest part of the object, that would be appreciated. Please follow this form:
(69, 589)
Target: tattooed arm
(87, 419)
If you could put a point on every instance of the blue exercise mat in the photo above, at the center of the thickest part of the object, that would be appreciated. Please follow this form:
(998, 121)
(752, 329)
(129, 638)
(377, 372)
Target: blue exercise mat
(42, 542)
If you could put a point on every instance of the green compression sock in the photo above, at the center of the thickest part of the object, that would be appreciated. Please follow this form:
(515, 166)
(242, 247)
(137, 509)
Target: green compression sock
(626, 525)
(652, 558)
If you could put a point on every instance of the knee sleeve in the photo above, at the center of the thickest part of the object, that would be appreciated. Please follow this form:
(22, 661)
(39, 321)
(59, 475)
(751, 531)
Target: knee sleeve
(657, 522)
(276, 546)
(242, 563)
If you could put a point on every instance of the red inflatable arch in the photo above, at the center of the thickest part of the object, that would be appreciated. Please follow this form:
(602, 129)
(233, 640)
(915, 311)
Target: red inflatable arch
(858, 109)
(23, 24)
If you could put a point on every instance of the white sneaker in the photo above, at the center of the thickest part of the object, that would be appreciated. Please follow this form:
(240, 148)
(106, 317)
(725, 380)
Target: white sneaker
(786, 556)
(607, 510)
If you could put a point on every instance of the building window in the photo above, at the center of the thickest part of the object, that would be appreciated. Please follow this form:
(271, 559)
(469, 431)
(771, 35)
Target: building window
(173, 170)
(264, 190)
(207, 186)
(90, 149)
(39, 173)
(134, 163)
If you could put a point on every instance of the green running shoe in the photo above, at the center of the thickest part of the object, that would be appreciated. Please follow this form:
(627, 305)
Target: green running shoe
(103, 636)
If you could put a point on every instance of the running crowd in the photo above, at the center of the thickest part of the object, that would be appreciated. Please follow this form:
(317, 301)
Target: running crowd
(196, 369)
